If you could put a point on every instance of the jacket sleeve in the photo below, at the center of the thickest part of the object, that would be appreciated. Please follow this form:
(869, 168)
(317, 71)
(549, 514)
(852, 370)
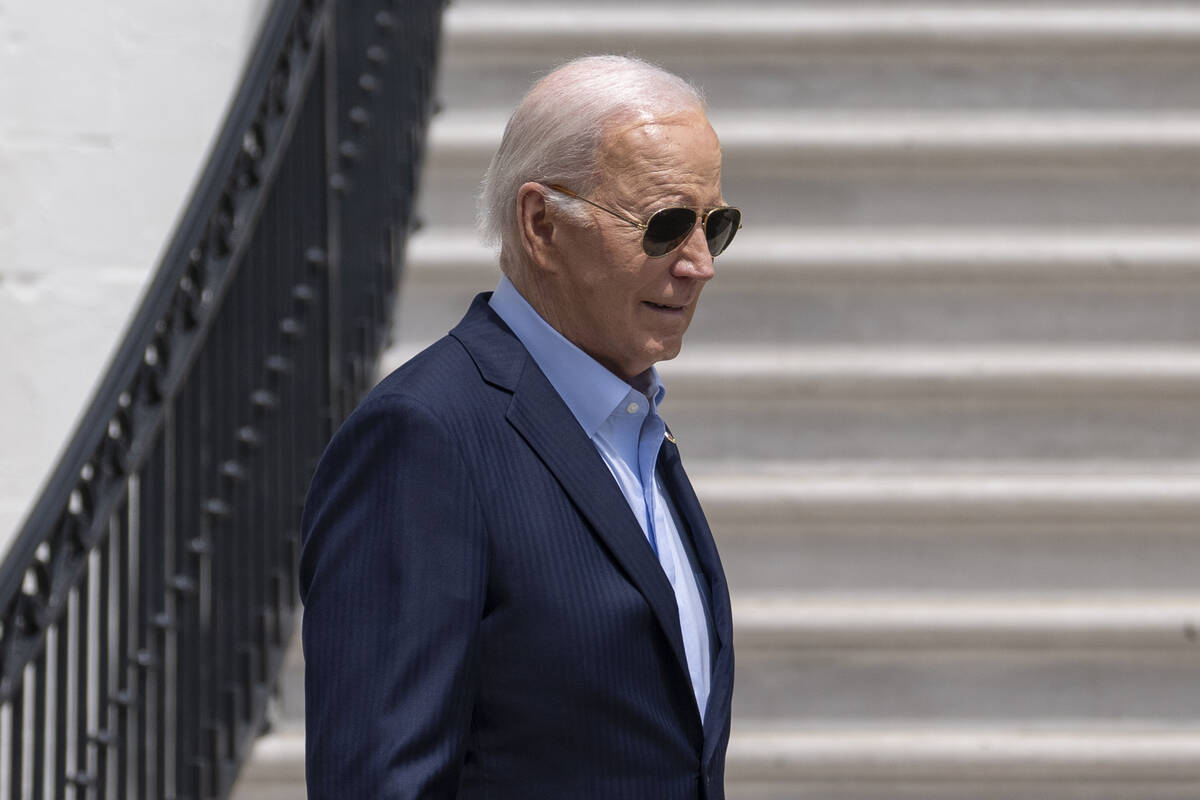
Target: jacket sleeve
(392, 576)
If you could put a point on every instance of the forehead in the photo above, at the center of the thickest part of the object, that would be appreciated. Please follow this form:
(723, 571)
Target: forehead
(674, 155)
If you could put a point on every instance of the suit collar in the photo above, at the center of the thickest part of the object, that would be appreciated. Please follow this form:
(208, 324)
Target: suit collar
(497, 353)
(589, 389)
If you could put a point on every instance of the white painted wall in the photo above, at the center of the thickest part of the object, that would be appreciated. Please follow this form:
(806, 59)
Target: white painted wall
(107, 109)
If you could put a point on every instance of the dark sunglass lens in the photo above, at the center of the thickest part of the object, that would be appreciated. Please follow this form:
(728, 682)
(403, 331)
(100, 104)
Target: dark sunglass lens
(667, 229)
(719, 228)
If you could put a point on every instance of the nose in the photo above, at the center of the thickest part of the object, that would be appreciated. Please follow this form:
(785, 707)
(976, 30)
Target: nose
(692, 259)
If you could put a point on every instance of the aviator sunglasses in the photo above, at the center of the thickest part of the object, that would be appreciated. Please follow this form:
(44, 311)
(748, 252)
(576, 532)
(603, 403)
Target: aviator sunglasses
(668, 228)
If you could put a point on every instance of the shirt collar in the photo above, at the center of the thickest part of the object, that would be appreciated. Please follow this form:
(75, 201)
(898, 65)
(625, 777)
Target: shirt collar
(590, 391)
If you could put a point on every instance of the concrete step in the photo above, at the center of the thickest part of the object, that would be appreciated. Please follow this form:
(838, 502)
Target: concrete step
(955, 658)
(975, 762)
(765, 496)
(895, 404)
(945, 526)
(1082, 72)
(724, 375)
(479, 30)
(968, 762)
(767, 256)
(858, 190)
(890, 285)
(967, 622)
(275, 769)
(906, 167)
(871, 526)
(1001, 404)
(799, 141)
(1090, 554)
(863, 79)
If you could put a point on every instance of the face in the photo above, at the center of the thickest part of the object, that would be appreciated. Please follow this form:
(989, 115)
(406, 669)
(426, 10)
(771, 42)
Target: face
(622, 307)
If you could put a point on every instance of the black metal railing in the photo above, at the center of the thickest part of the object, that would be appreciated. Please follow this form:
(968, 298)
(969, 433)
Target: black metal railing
(149, 597)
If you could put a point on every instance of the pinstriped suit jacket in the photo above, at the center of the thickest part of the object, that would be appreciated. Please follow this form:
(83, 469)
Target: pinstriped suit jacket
(484, 617)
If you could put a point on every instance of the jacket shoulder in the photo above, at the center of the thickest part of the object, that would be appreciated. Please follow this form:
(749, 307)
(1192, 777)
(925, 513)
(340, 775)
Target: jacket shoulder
(429, 372)
(442, 380)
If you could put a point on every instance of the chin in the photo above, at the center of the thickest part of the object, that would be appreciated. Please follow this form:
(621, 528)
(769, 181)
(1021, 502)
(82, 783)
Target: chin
(664, 351)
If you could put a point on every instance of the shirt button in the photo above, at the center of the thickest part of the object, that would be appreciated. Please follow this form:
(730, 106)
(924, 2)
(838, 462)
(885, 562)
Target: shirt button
(632, 408)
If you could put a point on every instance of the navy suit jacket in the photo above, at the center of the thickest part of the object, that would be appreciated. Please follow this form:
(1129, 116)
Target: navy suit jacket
(484, 617)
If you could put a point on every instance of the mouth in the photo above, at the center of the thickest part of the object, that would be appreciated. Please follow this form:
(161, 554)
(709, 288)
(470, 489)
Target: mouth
(666, 308)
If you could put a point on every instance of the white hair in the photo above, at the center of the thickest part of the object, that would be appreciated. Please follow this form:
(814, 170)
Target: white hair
(556, 132)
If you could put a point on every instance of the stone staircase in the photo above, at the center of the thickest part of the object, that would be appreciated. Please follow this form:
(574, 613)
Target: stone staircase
(942, 401)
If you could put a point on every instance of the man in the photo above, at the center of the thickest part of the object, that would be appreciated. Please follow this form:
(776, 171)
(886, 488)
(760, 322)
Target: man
(510, 589)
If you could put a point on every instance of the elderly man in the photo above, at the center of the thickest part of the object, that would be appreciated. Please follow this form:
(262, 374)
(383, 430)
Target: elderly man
(510, 589)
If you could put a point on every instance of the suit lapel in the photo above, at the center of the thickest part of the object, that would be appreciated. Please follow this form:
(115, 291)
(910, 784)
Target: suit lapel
(688, 505)
(547, 425)
(541, 417)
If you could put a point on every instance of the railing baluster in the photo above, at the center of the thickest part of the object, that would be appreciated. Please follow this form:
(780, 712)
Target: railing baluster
(105, 728)
(10, 749)
(22, 734)
(119, 657)
(76, 769)
(8, 746)
(132, 693)
(165, 515)
(6, 750)
(97, 737)
(41, 718)
(62, 748)
(152, 614)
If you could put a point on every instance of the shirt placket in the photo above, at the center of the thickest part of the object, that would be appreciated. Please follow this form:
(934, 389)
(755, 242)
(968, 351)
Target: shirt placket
(649, 441)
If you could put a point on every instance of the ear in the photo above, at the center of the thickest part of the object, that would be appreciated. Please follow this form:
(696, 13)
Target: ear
(536, 225)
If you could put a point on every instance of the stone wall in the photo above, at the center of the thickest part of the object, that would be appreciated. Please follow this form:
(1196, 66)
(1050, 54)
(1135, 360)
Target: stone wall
(107, 111)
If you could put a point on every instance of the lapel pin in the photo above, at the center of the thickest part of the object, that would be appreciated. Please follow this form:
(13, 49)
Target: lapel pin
(669, 437)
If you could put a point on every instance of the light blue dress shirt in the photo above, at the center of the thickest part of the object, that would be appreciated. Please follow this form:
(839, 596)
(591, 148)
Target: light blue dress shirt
(624, 425)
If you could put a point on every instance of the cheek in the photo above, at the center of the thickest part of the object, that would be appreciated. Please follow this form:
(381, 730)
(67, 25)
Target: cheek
(608, 283)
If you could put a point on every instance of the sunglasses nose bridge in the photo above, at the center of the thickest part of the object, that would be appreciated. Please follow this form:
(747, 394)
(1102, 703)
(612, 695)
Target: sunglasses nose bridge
(694, 259)
(688, 242)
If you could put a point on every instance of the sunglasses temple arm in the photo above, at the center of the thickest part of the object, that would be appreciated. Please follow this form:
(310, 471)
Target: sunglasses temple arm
(621, 217)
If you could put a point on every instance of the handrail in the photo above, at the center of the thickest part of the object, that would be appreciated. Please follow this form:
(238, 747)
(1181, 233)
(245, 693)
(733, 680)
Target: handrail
(150, 593)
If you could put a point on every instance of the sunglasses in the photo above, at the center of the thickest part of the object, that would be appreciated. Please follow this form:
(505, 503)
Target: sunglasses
(668, 228)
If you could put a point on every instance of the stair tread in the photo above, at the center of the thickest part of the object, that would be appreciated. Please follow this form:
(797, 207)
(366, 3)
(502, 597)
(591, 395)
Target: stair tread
(820, 138)
(446, 253)
(1089, 364)
(946, 480)
(941, 619)
(502, 28)
(1143, 752)
(793, 493)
